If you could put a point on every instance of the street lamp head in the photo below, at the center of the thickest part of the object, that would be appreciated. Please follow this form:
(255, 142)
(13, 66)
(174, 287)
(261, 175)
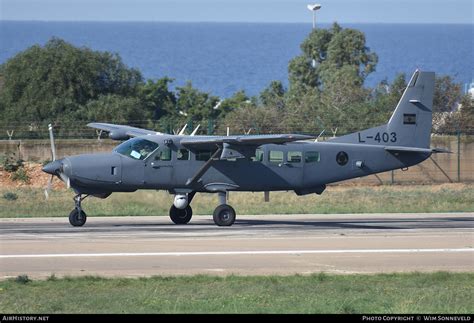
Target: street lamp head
(314, 7)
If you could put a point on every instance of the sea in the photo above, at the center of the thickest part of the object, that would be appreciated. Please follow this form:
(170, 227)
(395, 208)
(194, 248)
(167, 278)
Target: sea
(223, 58)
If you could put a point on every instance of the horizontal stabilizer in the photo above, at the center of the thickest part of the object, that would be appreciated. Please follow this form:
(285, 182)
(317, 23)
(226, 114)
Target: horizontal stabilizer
(415, 149)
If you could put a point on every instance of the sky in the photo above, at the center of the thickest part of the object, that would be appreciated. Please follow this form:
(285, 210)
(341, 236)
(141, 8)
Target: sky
(343, 11)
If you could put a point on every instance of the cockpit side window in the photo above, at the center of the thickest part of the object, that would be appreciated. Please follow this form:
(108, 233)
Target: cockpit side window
(182, 154)
(258, 155)
(137, 148)
(164, 154)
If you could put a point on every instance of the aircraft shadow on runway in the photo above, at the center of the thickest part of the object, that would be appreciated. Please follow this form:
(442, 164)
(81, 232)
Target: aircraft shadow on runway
(253, 224)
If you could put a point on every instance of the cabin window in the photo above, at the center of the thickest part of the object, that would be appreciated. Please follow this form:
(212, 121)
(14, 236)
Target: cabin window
(164, 154)
(204, 155)
(183, 154)
(258, 156)
(275, 156)
(312, 157)
(137, 148)
(294, 156)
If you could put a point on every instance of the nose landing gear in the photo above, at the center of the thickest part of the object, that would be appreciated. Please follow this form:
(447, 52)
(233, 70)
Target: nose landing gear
(77, 217)
(182, 215)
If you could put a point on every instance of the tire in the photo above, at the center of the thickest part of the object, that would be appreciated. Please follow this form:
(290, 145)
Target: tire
(179, 216)
(224, 215)
(76, 219)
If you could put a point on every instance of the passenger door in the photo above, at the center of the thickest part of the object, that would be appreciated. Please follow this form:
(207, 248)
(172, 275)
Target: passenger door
(287, 165)
(158, 171)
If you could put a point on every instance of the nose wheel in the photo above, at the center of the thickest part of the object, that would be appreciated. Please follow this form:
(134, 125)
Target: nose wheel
(77, 217)
(181, 216)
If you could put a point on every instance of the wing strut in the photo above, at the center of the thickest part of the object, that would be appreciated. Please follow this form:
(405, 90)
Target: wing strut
(193, 180)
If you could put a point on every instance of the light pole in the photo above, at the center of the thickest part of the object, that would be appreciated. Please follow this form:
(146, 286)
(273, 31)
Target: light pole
(313, 8)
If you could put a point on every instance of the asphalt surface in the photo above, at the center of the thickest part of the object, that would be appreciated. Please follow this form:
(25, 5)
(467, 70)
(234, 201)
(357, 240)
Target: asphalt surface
(254, 245)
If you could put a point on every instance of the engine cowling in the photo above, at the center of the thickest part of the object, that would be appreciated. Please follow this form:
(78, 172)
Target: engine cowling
(180, 201)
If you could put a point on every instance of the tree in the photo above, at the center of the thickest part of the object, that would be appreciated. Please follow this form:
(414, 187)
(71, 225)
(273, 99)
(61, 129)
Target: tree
(252, 119)
(326, 51)
(385, 98)
(466, 115)
(447, 95)
(273, 95)
(461, 120)
(50, 82)
(194, 104)
(115, 109)
(157, 98)
(236, 101)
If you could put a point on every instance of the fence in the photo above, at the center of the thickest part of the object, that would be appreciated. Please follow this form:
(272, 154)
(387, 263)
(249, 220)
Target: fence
(31, 143)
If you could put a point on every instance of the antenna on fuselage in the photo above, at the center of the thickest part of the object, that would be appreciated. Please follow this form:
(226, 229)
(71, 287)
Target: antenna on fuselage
(195, 130)
(182, 130)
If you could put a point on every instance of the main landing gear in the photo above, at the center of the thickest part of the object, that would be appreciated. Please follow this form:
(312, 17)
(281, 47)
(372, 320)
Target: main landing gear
(181, 211)
(224, 214)
(78, 217)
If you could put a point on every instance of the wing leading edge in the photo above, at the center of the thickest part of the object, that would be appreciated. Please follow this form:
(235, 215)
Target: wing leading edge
(121, 132)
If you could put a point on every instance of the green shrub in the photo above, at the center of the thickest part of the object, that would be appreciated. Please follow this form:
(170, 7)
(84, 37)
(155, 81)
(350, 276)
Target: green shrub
(10, 196)
(52, 278)
(11, 163)
(21, 175)
(22, 279)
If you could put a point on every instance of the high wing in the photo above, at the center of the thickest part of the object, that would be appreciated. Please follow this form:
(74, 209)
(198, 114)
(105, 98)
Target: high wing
(120, 132)
(254, 140)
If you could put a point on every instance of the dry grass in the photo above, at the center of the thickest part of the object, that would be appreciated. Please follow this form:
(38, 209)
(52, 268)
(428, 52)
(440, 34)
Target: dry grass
(336, 199)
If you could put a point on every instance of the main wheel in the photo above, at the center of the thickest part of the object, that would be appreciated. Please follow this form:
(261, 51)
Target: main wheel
(181, 216)
(77, 219)
(224, 215)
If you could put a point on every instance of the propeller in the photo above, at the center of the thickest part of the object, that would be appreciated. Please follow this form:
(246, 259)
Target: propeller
(55, 167)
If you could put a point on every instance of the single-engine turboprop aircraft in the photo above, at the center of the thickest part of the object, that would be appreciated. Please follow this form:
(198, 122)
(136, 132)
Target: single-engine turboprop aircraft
(187, 164)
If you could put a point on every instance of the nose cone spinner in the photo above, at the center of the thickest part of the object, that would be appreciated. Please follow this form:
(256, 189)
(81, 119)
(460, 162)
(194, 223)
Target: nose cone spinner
(53, 168)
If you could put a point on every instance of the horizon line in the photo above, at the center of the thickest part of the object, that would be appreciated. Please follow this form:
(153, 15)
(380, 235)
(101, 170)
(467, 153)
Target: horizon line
(235, 22)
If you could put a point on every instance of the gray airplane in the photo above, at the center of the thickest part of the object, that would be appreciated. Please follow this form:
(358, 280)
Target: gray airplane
(187, 164)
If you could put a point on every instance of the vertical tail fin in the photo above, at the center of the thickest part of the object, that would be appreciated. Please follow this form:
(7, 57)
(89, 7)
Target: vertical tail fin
(410, 123)
(412, 118)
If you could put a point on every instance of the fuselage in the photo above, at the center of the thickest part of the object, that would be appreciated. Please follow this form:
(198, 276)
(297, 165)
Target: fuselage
(304, 167)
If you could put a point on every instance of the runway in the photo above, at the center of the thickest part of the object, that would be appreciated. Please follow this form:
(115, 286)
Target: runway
(254, 245)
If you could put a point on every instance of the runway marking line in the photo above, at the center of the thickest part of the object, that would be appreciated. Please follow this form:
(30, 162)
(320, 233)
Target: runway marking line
(236, 253)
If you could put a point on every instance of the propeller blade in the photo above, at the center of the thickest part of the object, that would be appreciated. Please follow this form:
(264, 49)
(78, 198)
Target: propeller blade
(48, 187)
(51, 139)
(65, 179)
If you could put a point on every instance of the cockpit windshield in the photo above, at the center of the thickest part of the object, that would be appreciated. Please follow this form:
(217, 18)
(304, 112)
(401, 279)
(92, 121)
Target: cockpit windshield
(137, 148)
